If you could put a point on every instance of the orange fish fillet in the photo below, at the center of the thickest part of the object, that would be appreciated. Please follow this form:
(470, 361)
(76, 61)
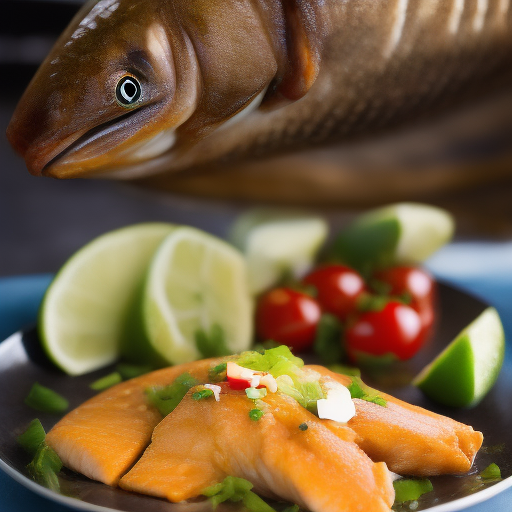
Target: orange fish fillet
(104, 436)
(202, 442)
(411, 440)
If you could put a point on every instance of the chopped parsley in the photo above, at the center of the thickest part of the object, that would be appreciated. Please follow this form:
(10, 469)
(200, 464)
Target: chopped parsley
(166, 399)
(218, 373)
(359, 390)
(303, 427)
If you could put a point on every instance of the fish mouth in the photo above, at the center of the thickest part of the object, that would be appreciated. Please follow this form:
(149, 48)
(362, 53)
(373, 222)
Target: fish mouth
(57, 169)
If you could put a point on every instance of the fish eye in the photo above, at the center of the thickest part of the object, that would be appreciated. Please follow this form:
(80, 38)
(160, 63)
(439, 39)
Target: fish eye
(128, 91)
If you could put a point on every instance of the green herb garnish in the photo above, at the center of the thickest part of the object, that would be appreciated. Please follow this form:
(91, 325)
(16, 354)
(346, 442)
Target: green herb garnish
(106, 382)
(236, 489)
(328, 339)
(45, 399)
(130, 371)
(33, 437)
(360, 390)
(44, 467)
(255, 393)
(276, 361)
(409, 490)
(202, 394)
(255, 414)
(212, 344)
(293, 508)
(218, 373)
(167, 399)
(491, 472)
(303, 427)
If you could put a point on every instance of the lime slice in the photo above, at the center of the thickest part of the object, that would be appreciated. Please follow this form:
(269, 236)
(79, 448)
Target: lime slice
(195, 282)
(464, 372)
(278, 244)
(82, 315)
(403, 233)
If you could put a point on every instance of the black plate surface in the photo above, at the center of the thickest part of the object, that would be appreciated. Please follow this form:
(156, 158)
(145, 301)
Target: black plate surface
(22, 363)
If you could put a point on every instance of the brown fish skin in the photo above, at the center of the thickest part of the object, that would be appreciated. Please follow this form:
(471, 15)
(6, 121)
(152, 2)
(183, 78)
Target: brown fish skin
(202, 442)
(105, 435)
(411, 440)
(305, 74)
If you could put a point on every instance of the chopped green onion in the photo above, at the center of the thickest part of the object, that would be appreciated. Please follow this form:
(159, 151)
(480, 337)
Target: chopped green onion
(491, 472)
(130, 371)
(345, 370)
(255, 394)
(253, 503)
(360, 390)
(212, 344)
(218, 373)
(236, 489)
(303, 427)
(255, 414)
(44, 467)
(409, 490)
(293, 508)
(106, 382)
(328, 339)
(32, 438)
(167, 399)
(202, 394)
(45, 399)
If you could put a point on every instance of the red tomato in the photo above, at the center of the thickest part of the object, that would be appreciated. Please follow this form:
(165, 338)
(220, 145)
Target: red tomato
(338, 288)
(396, 329)
(416, 282)
(288, 317)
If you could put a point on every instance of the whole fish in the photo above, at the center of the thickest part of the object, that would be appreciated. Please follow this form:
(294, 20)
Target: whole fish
(275, 98)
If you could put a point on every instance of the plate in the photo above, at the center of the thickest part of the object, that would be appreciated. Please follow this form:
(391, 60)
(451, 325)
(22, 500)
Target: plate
(22, 363)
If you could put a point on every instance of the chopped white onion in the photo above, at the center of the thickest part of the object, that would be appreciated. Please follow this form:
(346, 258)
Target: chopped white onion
(338, 406)
(216, 390)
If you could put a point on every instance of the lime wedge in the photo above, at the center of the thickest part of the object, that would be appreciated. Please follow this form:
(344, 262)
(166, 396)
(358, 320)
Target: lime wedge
(278, 244)
(402, 233)
(83, 313)
(464, 372)
(195, 282)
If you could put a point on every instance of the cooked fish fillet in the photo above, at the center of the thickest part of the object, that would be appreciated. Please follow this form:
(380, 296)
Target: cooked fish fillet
(411, 440)
(202, 442)
(104, 436)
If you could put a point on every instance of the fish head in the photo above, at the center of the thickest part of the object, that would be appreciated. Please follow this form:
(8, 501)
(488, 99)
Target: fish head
(108, 95)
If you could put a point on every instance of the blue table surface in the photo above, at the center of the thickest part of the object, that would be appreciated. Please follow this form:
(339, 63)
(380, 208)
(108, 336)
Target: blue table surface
(482, 269)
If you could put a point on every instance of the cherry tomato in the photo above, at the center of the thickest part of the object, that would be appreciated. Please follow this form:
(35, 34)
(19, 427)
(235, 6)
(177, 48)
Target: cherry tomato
(338, 288)
(418, 284)
(396, 329)
(288, 317)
